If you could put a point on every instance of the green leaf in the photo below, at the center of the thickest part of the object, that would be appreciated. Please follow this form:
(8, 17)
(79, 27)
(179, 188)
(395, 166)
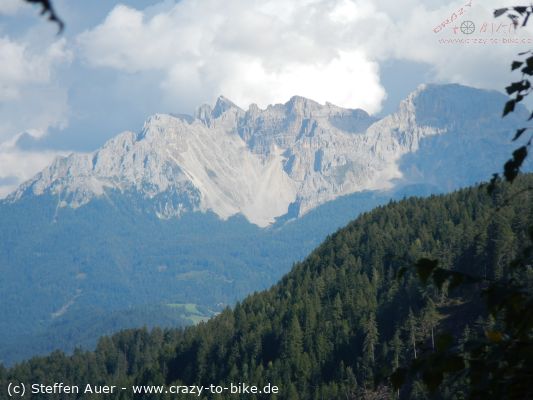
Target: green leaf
(514, 87)
(519, 133)
(516, 65)
(499, 12)
(528, 70)
(509, 107)
(512, 166)
(510, 170)
(520, 154)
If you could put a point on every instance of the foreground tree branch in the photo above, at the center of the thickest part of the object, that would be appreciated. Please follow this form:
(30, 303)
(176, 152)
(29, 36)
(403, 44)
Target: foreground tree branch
(48, 9)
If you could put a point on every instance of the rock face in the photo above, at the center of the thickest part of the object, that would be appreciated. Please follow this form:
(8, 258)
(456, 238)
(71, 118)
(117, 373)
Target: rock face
(287, 158)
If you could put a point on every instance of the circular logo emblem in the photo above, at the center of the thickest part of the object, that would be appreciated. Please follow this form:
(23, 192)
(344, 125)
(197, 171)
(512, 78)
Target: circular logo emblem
(468, 27)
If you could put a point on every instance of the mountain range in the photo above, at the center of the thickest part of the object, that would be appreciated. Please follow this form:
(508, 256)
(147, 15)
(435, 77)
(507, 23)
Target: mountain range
(264, 164)
(170, 224)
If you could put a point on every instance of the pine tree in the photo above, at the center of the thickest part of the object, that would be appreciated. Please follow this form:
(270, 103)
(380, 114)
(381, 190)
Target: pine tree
(412, 331)
(371, 338)
(429, 321)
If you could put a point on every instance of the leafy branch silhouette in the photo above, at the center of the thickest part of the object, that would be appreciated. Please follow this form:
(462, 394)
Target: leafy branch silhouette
(48, 9)
(518, 91)
(498, 364)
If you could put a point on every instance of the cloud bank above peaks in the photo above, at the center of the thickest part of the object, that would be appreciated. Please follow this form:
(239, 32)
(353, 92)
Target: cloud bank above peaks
(116, 64)
(266, 51)
(251, 51)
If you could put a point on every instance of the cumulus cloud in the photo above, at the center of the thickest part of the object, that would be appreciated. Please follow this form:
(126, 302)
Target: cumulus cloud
(265, 51)
(31, 100)
(22, 66)
(30, 97)
(482, 60)
(250, 51)
(17, 166)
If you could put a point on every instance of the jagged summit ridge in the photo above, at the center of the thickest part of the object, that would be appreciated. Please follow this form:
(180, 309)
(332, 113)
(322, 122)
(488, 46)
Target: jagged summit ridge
(258, 162)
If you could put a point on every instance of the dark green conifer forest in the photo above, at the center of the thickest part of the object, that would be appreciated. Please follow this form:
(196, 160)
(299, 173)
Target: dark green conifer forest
(343, 320)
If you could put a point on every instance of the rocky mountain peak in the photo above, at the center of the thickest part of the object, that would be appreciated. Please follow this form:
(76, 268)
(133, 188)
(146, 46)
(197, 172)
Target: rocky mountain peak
(222, 105)
(261, 162)
(302, 106)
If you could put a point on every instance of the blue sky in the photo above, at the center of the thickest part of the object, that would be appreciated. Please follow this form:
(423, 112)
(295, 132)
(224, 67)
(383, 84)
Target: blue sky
(119, 62)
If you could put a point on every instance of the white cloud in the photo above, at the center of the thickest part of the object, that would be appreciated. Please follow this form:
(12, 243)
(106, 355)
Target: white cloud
(22, 66)
(264, 51)
(250, 51)
(408, 34)
(11, 7)
(31, 100)
(30, 96)
(17, 166)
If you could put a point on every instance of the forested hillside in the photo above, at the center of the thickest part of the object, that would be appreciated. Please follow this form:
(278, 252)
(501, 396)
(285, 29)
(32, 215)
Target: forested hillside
(339, 323)
(176, 216)
(80, 274)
